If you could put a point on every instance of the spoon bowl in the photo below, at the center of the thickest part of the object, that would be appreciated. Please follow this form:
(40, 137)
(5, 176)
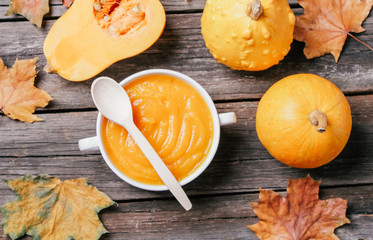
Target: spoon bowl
(111, 100)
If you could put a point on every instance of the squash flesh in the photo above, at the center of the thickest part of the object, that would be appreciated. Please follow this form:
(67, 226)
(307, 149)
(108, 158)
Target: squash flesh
(78, 48)
(120, 18)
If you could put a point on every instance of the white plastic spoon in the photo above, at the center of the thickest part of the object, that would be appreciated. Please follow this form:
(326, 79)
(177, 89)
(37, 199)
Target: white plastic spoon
(113, 102)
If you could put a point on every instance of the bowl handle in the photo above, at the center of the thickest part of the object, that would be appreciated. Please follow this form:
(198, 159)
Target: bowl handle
(227, 118)
(87, 144)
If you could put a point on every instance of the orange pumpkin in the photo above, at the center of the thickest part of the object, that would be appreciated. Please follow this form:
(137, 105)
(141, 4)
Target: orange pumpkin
(93, 34)
(304, 121)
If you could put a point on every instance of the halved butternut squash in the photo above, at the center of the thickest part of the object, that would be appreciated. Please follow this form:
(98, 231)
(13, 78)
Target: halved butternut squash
(93, 34)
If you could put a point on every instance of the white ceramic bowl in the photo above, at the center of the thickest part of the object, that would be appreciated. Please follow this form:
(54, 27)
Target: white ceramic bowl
(218, 120)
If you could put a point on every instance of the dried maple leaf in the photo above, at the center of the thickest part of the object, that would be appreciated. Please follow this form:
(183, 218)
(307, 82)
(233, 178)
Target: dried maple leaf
(48, 209)
(18, 95)
(301, 215)
(33, 10)
(325, 24)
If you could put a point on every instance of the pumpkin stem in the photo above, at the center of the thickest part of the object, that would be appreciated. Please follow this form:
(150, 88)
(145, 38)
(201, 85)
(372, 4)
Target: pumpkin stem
(255, 9)
(319, 119)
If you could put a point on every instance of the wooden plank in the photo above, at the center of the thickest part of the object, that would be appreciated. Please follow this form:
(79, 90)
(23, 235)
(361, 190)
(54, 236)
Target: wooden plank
(360, 229)
(181, 48)
(176, 6)
(240, 165)
(220, 195)
(169, 5)
(223, 217)
(59, 133)
(223, 176)
(220, 217)
(224, 228)
(56, 10)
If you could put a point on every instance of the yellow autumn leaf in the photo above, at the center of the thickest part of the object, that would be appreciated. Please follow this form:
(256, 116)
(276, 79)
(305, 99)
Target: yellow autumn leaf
(18, 96)
(32, 10)
(48, 209)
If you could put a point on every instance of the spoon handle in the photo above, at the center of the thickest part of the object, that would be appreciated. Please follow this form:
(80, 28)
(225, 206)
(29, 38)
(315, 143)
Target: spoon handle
(159, 166)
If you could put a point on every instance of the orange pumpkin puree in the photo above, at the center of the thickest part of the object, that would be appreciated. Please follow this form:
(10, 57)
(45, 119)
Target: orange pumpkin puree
(176, 121)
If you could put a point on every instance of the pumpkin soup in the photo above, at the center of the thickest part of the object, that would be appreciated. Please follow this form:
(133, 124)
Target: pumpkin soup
(173, 117)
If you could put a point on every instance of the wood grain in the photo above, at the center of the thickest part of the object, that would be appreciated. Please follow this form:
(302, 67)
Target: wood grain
(221, 177)
(181, 48)
(221, 217)
(221, 195)
(241, 164)
(59, 133)
(169, 5)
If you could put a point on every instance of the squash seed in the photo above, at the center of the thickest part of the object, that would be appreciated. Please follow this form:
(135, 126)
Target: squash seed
(97, 6)
(136, 9)
(107, 18)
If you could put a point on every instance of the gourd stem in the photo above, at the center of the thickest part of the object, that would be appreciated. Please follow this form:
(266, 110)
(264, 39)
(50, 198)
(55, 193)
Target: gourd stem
(48, 68)
(255, 9)
(319, 119)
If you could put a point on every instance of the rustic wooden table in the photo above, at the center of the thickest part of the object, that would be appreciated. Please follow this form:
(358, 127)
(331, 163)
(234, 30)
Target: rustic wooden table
(221, 195)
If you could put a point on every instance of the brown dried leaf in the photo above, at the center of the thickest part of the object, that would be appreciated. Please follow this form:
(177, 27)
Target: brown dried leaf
(18, 96)
(325, 24)
(33, 10)
(301, 215)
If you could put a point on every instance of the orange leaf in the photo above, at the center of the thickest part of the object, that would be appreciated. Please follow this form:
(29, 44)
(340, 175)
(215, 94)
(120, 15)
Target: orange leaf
(33, 10)
(18, 95)
(301, 215)
(325, 24)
